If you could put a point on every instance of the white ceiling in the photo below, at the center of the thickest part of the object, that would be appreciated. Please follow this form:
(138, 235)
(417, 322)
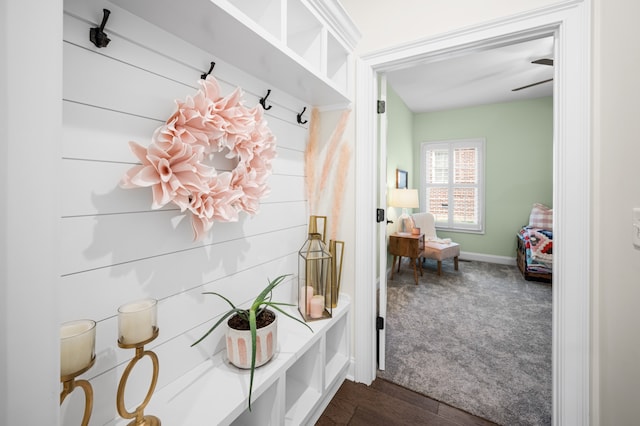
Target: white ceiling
(476, 78)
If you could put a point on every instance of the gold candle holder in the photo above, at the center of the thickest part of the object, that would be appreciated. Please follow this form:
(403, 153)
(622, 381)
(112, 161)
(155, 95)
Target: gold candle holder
(69, 383)
(77, 355)
(140, 419)
(336, 248)
(318, 224)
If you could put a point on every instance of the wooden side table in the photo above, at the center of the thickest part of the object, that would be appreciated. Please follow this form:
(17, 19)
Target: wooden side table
(407, 245)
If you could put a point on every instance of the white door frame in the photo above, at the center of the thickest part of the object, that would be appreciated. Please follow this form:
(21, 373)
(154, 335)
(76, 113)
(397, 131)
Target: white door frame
(570, 22)
(382, 226)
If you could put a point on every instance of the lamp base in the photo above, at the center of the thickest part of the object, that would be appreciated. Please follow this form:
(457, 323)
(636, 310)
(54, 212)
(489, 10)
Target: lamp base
(146, 421)
(404, 216)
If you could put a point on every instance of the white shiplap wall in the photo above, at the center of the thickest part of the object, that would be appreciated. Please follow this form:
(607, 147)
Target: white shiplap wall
(114, 249)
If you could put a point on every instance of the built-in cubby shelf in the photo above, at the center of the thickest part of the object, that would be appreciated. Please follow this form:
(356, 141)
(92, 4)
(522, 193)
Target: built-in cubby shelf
(336, 353)
(291, 389)
(265, 14)
(286, 43)
(265, 410)
(337, 62)
(304, 35)
(303, 385)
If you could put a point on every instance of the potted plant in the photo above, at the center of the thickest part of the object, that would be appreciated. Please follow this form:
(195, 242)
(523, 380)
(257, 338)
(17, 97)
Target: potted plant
(256, 324)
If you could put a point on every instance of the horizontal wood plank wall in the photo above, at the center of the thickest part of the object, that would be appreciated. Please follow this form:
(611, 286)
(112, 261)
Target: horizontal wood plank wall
(114, 248)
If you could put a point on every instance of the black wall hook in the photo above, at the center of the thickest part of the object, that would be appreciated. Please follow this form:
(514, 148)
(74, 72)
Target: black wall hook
(263, 101)
(300, 116)
(97, 34)
(205, 75)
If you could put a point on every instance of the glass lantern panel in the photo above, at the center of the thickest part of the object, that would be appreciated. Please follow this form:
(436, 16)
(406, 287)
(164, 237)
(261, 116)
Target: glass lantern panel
(314, 275)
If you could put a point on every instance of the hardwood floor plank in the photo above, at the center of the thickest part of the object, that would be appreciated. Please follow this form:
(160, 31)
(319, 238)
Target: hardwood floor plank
(364, 416)
(406, 395)
(462, 417)
(385, 403)
(338, 412)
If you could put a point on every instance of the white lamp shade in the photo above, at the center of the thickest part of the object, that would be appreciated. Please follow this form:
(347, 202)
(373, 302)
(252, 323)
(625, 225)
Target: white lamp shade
(404, 198)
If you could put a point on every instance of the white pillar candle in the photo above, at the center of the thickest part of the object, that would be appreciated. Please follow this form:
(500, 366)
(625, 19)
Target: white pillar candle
(306, 293)
(317, 306)
(136, 321)
(77, 345)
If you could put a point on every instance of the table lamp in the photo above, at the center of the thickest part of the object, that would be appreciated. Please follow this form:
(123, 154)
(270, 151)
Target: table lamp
(405, 199)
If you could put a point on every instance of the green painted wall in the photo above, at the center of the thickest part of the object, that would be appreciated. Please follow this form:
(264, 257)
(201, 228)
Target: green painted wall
(518, 164)
(400, 145)
(400, 149)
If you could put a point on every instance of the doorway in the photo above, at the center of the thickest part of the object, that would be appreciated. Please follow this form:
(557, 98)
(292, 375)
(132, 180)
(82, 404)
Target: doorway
(571, 176)
(458, 327)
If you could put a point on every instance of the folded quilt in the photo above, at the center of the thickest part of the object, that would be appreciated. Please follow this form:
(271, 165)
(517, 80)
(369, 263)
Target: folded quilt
(539, 243)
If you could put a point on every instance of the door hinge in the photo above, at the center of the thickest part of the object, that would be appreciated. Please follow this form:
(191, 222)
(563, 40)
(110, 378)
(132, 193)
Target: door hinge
(381, 107)
(379, 215)
(379, 323)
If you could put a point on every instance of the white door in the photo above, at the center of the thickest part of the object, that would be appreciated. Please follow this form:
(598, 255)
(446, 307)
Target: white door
(382, 225)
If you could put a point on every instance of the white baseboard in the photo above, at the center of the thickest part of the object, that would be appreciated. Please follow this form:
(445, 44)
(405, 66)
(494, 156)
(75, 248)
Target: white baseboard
(351, 370)
(478, 257)
(490, 258)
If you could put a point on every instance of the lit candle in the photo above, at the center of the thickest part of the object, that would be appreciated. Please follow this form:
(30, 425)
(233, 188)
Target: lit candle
(317, 306)
(305, 296)
(77, 345)
(136, 321)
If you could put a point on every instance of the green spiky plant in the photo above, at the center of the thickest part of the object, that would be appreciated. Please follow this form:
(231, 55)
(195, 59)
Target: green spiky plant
(261, 303)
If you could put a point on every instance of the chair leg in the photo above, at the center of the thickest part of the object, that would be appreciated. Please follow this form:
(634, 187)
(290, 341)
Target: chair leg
(455, 263)
(439, 267)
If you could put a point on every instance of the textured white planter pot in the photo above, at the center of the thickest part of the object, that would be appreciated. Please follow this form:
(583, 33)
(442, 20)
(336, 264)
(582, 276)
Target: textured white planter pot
(239, 345)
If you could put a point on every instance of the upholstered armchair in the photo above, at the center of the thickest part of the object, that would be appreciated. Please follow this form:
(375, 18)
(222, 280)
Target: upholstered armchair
(434, 247)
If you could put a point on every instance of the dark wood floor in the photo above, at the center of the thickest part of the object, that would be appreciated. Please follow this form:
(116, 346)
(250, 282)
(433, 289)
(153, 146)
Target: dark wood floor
(385, 403)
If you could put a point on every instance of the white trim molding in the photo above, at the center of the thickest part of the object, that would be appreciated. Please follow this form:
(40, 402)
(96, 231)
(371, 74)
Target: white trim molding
(366, 249)
(29, 257)
(339, 20)
(570, 23)
(489, 258)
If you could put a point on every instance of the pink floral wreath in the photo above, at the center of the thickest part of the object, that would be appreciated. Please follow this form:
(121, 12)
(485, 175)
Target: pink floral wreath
(173, 164)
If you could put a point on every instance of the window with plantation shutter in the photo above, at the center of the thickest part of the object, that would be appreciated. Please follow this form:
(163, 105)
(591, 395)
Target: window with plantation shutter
(452, 183)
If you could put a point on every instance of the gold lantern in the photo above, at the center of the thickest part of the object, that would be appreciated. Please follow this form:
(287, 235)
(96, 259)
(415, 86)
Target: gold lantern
(318, 224)
(314, 279)
(336, 249)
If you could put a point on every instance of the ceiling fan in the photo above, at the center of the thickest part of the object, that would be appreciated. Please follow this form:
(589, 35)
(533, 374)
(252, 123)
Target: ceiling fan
(543, 61)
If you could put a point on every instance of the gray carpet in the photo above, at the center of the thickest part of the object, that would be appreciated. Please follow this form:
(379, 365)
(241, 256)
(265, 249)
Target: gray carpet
(478, 339)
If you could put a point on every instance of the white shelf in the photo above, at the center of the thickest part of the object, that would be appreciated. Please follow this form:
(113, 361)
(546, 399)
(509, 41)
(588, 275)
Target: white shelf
(263, 408)
(337, 62)
(303, 385)
(299, 399)
(288, 389)
(266, 14)
(282, 42)
(304, 35)
(336, 349)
